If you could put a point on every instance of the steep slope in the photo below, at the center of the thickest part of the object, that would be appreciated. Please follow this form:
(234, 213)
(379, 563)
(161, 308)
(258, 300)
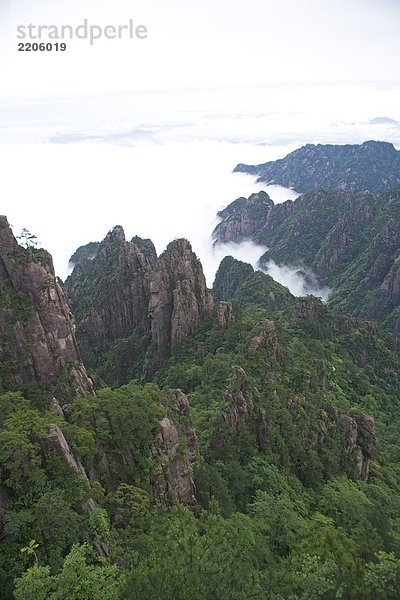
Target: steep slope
(373, 166)
(243, 218)
(350, 240)
(38, 348)
(275, 420)
(131, 306)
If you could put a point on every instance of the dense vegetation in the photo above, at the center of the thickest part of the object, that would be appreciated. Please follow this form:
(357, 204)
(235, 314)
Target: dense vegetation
(293, 500)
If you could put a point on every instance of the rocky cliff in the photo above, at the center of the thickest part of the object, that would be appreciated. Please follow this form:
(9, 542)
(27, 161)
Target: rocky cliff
(109, 296)
(175, 449)
(179, 300)
(131, 305)
(38, 348)
(349, 240)
(373, 166)
(243, 218)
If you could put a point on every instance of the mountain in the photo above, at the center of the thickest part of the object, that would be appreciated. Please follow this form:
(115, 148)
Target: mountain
(131, 305)
(245, 217)
(38, 351)
(373, 166)
(237, 281)
(257, 459)
(349, 240)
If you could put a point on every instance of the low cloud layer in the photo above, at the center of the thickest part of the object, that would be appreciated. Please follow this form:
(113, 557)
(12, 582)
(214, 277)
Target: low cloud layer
(300, 281)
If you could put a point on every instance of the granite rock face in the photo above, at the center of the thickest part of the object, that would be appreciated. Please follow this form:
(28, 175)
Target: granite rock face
(109, 295)
(243, 218)
(179, 301)
(125, 291)
(38, 347)
(56, 441)
(225, 314)
(172, 480)
(264, 337)
(360, 444)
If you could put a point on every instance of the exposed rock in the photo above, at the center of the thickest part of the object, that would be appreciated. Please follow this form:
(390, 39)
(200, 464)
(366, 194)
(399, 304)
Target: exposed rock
(360, 443)
(126, 290)
(37, 340)
(236, 410)
(262, 430)
(103, 472)
(147, 248)
(242, 218)
(172, 480)
(175, 449)
(225, 314)
(55, 440)
(110, 296)
(185, 426)
(179, 301)
(84, 254)
(309, 309)
(55, 407)
(346, 243)
(341, 244)
(265, 335)
(230, 276)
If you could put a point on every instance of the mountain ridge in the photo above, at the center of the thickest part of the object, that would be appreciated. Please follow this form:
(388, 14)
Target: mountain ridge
(372, 165)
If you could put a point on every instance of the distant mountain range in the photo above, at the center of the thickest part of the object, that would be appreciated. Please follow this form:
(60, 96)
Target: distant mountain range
(373, 166)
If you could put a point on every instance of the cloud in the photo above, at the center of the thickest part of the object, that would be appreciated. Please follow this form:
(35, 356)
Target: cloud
(300, 281)
(70, 194)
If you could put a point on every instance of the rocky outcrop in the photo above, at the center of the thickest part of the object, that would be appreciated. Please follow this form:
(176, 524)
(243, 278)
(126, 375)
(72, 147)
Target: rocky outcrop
(264, 336)
(185, 426)
(38, 348)
(243, 218)
(172, 480)
(131, 306)
(239, 412)
(110, 295)
(225, 314)
(373, 166)
(311, 309)
(360, 443)
(354, 436)
(231, 274)
(179, 300)
(55, 440)
(236, 410)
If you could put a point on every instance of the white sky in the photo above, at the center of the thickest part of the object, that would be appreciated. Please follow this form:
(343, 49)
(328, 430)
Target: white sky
(208, 43)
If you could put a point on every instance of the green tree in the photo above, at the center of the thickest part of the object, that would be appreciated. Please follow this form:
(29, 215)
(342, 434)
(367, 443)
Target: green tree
(27, 239)
(77, 580)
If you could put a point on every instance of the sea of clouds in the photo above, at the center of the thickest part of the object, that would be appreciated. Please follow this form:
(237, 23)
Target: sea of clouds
(160, 164)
